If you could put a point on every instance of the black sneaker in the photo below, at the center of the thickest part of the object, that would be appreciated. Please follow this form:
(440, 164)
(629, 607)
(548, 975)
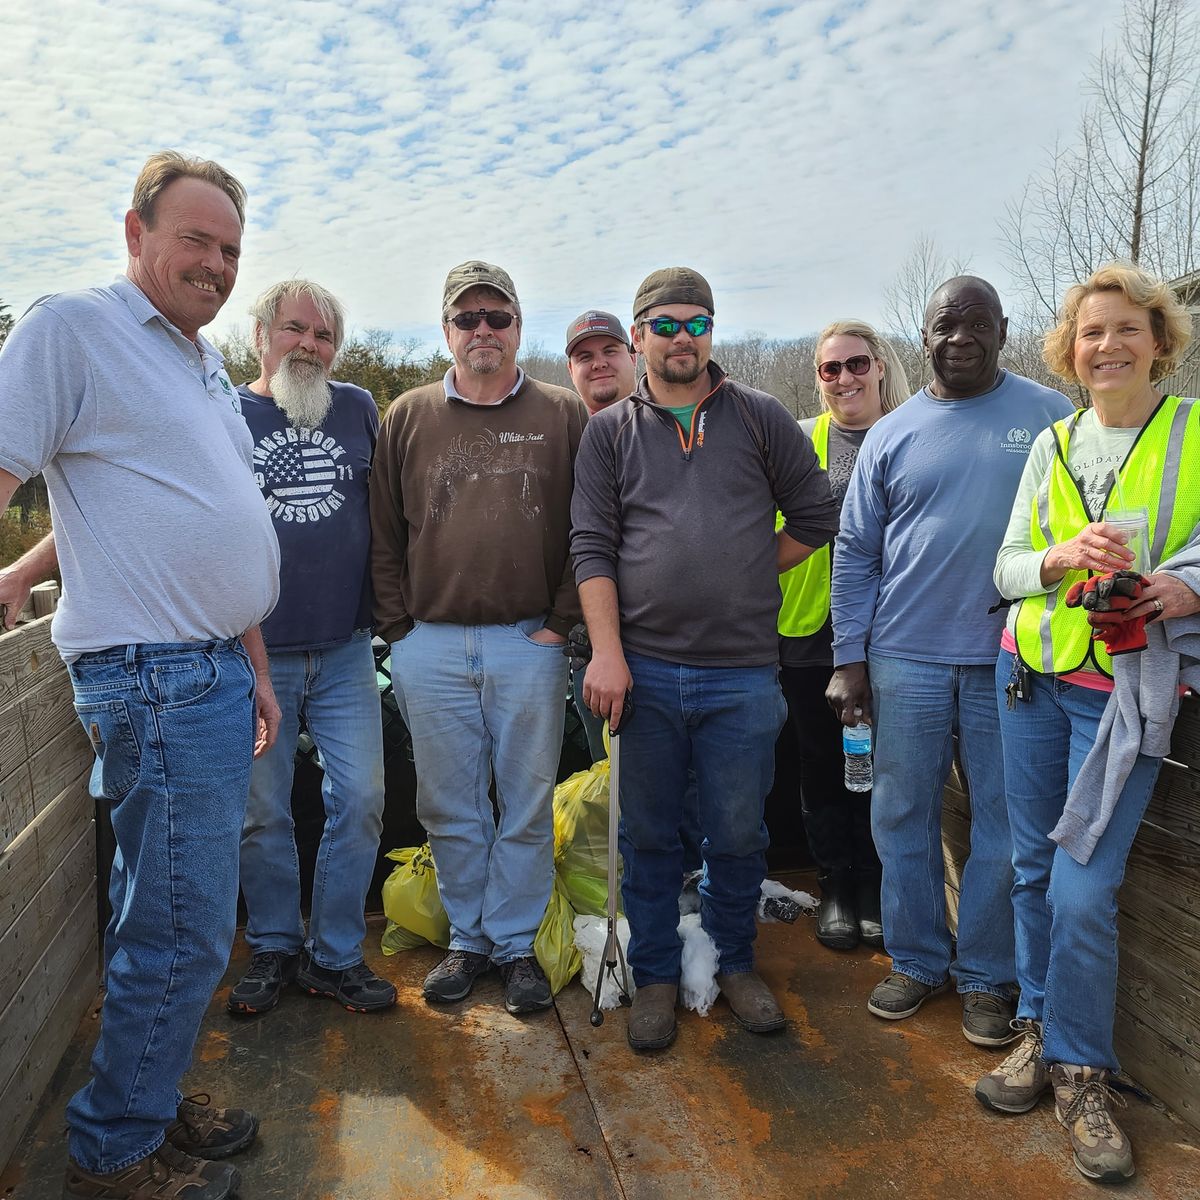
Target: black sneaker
(454, 977)
(526, 988)
(206, 1132)
(356, 988)
(898, 996)
(258, 991)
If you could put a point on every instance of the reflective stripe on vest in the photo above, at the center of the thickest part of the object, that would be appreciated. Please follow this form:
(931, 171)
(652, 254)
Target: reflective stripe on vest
(1054, 639)
(805, 588)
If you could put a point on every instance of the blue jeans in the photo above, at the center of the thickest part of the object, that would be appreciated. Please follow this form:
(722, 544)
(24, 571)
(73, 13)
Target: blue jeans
(173, 730)
(483, 701)
(335, 689)
(721, 722)
(918, 707)
(1066, 913)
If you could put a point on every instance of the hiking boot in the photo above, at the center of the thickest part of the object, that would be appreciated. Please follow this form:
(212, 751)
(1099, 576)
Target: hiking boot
(870, 922)
(454, 977)
(1083, 1105)
(988, 1020)
(898, 996)
(357, 988)
(837, 921)
(651, 1021)
(164, 1174)
(526, 988)
(258, 990)
(751, 1002)
(1017, 1084)
(206, 1132)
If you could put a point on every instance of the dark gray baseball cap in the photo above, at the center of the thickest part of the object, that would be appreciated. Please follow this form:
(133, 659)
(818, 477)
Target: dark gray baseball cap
(476, 273)
(673, 285)
(592, 323)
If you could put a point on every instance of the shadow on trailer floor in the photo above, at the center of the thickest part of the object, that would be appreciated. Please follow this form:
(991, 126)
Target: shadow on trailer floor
(468, 1102)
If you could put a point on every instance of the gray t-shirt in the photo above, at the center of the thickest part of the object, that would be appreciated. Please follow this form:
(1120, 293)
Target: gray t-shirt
(162, 534)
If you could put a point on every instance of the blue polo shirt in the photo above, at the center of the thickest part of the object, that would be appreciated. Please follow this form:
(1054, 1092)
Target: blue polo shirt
(315, 484)
(161, 534)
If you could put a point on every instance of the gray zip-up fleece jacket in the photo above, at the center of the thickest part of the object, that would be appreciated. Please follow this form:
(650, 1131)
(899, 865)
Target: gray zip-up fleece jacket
(685, 524)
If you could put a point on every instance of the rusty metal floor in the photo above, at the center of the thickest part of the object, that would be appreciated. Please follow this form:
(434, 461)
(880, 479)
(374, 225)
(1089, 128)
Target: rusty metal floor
(469, 1103)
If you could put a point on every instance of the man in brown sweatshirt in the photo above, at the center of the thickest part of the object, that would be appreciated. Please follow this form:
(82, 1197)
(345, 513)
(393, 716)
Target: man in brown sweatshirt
(470, 517)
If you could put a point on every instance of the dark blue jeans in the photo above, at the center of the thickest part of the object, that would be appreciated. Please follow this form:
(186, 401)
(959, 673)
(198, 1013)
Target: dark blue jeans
(173, 730)
(721, 722)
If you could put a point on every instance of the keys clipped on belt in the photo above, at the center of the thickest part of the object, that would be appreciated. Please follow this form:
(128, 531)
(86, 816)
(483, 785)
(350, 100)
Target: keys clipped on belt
(1020, 685)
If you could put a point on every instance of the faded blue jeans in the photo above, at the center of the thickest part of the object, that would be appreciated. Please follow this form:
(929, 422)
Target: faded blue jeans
(484, 700)
(173, 730)
(722, 723)
(1066, 913)
(336, 690)
(919, 706)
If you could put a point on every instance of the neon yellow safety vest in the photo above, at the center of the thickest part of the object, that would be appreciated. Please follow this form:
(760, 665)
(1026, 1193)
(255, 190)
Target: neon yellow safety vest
(1161, 473)
(805, 588)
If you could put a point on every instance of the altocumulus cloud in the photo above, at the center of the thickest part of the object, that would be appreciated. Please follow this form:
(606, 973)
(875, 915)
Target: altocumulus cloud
(790, 151)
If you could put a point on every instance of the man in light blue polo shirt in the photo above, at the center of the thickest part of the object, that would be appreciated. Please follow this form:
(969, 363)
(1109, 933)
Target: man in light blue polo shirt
(169, 563)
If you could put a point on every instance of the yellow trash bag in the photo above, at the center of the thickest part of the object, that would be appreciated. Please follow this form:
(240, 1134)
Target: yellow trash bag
(412, 904)
(554, 944)
(581, 839)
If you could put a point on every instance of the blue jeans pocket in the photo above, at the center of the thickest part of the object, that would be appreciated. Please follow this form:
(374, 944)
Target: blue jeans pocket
(175, 684)
(111, 734)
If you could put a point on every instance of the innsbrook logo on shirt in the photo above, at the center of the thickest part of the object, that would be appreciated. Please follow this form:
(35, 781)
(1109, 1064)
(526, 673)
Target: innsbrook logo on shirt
(1017, 440)
(298, 472)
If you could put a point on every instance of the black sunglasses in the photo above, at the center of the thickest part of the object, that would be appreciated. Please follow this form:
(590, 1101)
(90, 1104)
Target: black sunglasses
(669, 326)
(859, 364)
(496, 319)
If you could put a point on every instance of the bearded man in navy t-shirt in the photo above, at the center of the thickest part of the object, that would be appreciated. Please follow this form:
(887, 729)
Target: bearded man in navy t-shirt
(313, 443)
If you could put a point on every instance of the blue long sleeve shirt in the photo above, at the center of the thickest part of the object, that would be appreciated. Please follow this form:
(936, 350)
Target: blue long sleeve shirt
(925, 513)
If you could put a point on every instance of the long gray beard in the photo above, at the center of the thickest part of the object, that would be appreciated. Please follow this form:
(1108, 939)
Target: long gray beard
(300, 388)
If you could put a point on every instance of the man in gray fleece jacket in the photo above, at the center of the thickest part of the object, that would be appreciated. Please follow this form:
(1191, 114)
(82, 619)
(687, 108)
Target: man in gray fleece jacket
(677, 562)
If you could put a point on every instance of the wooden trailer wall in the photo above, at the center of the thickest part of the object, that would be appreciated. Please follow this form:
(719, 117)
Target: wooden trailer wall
(1158, 991)
(49, 960)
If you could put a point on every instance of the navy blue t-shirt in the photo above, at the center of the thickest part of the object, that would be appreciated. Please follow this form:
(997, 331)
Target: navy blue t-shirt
(315, 484)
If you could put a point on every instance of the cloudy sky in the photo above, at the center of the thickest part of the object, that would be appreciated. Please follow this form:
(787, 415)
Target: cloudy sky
(791, 152)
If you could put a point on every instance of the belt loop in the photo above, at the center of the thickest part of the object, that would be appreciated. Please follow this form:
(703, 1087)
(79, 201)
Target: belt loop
(131, 658)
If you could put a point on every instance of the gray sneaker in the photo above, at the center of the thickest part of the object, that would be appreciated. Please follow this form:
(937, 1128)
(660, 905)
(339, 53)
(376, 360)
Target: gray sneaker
(1017, 1084)
(898, 996)
(1083, 1105)
(987, 1020)
(454, 977)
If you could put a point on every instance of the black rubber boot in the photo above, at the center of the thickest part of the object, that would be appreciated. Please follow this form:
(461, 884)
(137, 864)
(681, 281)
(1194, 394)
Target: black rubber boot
(870, 924)
(837, 920)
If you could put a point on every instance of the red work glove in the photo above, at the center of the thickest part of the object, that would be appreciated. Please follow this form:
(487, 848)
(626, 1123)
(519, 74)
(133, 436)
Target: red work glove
(1106, 599)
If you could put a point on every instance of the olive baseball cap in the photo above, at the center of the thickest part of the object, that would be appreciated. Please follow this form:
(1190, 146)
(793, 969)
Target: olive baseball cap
(673, 285)
(476, 273)
(592, 323)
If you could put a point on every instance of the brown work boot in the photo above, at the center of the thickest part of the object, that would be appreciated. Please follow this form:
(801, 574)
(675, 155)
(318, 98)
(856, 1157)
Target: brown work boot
(206, 1132)
(752, 1002)
(1017, 1084)
(651, 1022)
(1083, 1105)
(165, 1174)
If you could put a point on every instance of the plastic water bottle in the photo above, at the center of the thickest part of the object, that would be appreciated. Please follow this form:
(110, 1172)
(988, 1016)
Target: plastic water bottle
(856, 742)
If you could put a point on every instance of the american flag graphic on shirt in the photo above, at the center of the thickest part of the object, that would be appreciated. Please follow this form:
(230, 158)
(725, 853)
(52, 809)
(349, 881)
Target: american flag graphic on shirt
(300, 474)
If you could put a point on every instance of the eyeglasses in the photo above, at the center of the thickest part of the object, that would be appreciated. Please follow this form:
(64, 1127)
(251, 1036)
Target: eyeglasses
(858, 364)
(496, 319)
(669, 326)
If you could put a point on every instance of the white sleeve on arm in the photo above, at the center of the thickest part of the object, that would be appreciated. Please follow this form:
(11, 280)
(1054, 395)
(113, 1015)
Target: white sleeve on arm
(1018, 565)
(858, 558)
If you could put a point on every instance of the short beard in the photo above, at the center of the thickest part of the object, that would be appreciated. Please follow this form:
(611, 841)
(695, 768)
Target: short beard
(300, 388)
(485, 364)
(605, 392)
(675, 372)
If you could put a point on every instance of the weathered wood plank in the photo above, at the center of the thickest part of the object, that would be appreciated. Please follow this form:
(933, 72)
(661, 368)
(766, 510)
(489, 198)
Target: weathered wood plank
(60, 762)
(1160, 1067)
(1175, 806)
(1160, 931)
(13, 753)
(1185, 737)
(35, 854)
(26, 1012)
(20, 1096)
(26, 657)
(1153, 993)
(42, 918)
(16, 804)
(47, 710)
(1167, 866)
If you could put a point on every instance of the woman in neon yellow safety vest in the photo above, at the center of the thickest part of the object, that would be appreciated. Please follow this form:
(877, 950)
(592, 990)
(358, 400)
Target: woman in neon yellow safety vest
(859, 378)
(1114, 486)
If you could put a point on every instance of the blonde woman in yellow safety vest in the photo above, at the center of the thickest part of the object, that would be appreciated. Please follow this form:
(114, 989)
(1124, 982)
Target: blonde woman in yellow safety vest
(1114, 486)
(859, 378)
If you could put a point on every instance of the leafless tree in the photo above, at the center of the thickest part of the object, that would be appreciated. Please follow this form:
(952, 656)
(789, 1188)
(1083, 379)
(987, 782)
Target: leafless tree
(545, 365)
(1128, 187)
(905, 297)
